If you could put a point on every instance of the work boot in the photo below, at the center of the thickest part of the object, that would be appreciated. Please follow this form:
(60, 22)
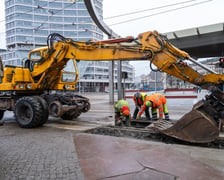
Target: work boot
(167, 117)
(1, 122)
(154, 117)
(148, 118)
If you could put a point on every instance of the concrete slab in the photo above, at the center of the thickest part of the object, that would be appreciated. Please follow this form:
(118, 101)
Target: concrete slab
(105, 157)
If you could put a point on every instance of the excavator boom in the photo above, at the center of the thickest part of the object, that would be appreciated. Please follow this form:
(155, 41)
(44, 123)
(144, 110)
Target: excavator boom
(148, 46)
(44, 70)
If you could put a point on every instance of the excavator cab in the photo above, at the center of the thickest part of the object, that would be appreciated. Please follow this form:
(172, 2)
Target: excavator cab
(70, 72)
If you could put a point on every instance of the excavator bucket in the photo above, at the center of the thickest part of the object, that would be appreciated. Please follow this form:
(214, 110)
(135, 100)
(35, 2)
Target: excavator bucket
(201, 125)
(193, 127)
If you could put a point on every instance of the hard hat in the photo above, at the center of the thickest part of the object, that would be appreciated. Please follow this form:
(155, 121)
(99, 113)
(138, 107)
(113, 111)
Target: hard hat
(137, 94)
(148, 103)
(125, 111)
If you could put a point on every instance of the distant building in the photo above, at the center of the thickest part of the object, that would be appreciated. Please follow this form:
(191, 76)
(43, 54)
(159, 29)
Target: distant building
(29, 22)
(153, 81)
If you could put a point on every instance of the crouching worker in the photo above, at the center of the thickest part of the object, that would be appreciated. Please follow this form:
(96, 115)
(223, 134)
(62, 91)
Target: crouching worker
(122, 113)
(155, 101)
(139, 99)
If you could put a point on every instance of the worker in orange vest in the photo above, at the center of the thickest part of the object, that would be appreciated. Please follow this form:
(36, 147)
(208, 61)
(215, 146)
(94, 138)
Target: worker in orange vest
(139, 99)
(155, 101)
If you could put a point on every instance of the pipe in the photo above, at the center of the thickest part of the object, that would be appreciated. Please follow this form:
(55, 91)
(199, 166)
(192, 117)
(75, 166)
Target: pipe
(202, 65)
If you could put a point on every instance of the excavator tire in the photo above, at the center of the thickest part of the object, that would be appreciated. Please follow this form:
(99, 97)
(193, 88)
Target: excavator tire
(28, 112)
(86, 107)
(71, 115)
(45, 110)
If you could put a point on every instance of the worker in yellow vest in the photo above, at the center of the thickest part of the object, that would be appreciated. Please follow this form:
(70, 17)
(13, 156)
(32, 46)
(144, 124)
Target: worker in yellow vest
(122, 113)
(139, 99)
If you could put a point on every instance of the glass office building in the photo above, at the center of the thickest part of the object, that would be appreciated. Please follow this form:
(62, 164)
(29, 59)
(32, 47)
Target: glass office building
(29, 22)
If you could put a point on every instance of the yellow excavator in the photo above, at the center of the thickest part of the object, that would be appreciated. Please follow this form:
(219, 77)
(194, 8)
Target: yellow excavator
(46, 83)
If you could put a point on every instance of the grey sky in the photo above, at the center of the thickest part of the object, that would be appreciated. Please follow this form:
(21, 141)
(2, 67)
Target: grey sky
(204, 13)
(207, 12)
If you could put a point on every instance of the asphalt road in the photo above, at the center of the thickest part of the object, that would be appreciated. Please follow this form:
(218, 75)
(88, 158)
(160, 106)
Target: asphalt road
(49, 152)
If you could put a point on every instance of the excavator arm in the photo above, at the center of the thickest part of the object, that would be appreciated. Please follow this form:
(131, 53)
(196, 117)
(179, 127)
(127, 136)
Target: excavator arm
(171, 60)
(150, 46)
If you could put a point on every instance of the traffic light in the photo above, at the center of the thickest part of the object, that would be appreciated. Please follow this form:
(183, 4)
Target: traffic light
(221, 62)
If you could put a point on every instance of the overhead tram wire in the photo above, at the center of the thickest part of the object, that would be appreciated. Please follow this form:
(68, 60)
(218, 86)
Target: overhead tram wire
(160, 7)
(104, 18)
(53, 13)
(39, 27)
(162, 12)
(27, 12)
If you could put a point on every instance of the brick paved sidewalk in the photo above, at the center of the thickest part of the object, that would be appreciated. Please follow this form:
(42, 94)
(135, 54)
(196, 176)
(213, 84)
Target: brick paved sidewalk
(43, 153)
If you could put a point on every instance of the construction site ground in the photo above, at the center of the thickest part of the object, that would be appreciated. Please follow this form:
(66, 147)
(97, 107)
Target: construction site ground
(63, 150)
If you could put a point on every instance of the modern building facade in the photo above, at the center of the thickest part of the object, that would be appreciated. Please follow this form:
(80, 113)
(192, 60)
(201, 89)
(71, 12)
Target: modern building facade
(29, 22)
(95, 75)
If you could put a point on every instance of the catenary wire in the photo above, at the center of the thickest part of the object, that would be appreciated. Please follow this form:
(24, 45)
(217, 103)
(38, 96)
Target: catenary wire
(136, 12)
(27, 12)
(162, 12)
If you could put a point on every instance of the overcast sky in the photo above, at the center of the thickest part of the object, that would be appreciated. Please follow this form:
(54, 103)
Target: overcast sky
(185, 14)
(164, 16)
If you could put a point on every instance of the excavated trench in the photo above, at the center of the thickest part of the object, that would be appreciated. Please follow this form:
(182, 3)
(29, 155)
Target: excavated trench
(150, 135)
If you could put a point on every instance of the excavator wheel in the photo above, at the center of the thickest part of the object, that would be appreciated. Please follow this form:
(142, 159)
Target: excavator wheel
(86, 106)
(45, 110)
(71, 115)
(28, 112)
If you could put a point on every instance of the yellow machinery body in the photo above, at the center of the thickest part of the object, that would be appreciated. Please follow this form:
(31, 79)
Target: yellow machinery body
(45, 70)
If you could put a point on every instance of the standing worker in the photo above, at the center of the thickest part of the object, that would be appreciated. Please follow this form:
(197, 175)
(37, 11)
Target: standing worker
(139, 99)
(122, 113)
(155, 101)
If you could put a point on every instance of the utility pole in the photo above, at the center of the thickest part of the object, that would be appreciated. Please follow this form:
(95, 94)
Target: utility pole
(119, 81)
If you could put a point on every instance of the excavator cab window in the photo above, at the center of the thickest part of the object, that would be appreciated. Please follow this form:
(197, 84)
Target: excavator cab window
(35, 56)
(70, 71)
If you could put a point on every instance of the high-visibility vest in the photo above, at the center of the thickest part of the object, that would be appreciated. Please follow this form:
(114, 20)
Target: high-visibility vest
(120, 104)
(158, 100)
(139, 101)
